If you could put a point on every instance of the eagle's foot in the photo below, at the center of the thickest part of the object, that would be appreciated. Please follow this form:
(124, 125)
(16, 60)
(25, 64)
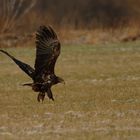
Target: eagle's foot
(40, 97)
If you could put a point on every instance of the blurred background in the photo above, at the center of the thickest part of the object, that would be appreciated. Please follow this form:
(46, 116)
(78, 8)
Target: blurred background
(76, 21)
(100, 62)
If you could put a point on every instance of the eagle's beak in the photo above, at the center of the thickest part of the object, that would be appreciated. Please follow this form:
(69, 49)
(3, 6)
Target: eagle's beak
(62, 81)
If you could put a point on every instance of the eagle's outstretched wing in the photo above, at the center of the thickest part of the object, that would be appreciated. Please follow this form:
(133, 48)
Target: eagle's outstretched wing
(25, 67)
(47, 52)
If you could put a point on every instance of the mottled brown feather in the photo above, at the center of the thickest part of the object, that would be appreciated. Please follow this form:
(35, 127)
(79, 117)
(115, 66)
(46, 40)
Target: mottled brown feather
(47, 51)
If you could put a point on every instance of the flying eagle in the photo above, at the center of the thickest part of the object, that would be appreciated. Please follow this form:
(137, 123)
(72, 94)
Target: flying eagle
(43, 75)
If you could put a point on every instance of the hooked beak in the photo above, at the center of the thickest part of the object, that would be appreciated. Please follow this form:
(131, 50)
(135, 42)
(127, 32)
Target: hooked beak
(62, 81)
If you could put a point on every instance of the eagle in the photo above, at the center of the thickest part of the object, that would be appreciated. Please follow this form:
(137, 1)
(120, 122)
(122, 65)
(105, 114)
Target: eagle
(48, 49)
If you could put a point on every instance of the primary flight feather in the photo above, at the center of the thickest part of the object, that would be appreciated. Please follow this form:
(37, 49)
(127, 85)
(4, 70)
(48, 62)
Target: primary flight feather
(43, 75)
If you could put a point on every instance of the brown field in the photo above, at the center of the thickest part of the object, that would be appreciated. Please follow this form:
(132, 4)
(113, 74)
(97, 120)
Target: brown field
(101, 99)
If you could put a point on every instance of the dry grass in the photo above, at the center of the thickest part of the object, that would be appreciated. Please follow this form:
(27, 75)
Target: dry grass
(70, 35)
(100, 101)
(100, 35)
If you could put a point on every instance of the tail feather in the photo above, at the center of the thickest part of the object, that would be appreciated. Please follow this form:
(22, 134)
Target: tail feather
(25, 67)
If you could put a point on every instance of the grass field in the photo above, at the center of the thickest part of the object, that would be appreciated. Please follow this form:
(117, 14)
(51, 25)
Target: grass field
(101, 99)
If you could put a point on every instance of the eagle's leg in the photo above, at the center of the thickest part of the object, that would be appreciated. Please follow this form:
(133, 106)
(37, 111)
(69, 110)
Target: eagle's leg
(40, 96)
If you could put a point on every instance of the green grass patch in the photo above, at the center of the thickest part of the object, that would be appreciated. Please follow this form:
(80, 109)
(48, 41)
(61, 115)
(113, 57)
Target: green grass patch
(101, 98)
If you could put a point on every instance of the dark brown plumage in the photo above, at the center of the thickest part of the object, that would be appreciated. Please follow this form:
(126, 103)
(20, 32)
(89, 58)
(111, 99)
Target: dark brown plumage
(47, 51)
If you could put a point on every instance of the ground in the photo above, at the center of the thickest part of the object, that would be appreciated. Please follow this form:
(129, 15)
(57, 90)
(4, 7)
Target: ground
(101, 98)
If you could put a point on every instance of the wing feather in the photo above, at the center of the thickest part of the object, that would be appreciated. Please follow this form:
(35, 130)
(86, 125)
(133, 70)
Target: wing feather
(25, 67)
(47, 51)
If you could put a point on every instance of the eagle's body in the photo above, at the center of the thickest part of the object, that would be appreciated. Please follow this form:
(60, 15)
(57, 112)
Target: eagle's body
(47, 52)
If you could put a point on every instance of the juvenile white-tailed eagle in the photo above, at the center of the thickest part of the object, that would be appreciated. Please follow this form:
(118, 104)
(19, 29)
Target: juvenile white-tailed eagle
(47, 51)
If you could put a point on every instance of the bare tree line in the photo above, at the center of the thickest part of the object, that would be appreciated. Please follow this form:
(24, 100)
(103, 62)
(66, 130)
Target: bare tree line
(63, 13)
(90, 12)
